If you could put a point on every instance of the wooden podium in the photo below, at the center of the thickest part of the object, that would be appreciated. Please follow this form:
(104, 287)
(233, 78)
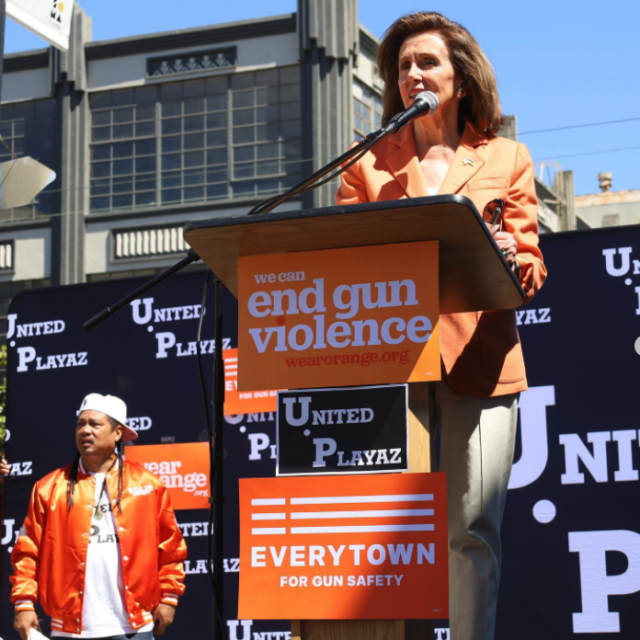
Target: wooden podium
(473, 276)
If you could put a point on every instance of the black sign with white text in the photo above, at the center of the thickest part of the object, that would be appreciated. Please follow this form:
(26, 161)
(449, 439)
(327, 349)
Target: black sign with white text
(346, 430)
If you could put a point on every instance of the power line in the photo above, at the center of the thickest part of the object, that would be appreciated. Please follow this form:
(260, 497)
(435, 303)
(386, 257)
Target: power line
(587, 153)
(578, 126)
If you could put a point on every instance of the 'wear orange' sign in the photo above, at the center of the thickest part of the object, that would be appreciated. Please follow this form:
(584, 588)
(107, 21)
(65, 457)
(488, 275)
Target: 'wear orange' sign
(341, 317)
(235, 401)
(344, 547)
(182, 468)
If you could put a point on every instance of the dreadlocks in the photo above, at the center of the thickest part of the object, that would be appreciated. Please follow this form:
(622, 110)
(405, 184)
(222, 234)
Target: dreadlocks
(73, 478)
(120, 454)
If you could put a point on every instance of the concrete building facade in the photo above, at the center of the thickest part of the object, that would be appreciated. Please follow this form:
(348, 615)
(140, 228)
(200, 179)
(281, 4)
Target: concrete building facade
(149, 132)
(609, 208)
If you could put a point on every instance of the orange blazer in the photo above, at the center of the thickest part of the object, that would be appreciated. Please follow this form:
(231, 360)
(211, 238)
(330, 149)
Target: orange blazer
(481, 352)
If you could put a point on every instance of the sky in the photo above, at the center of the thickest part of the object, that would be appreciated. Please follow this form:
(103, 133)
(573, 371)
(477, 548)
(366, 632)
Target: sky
(559, 64)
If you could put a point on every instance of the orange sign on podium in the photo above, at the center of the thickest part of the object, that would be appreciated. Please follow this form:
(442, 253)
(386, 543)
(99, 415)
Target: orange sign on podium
(340, 317)
(344, 547)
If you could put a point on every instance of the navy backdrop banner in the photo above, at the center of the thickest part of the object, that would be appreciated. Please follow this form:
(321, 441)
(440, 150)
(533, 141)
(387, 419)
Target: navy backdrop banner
(571, 533)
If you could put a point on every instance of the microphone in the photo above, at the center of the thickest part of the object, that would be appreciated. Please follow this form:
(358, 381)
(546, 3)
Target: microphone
(425, 104)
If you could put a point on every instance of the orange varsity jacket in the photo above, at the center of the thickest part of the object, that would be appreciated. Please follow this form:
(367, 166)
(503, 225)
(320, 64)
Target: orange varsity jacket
(50, 554)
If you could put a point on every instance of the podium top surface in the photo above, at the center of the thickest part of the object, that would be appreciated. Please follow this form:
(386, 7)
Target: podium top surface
(474, 276)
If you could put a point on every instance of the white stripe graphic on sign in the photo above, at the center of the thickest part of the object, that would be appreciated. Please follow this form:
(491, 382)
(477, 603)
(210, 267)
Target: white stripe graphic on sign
(267, 502)
(273, 531)
(379, 528)
(382, 513)
(412, 497)
(268, 516)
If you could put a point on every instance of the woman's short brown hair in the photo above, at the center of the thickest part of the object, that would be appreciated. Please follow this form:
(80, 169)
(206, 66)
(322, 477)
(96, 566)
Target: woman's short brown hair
(481, 104)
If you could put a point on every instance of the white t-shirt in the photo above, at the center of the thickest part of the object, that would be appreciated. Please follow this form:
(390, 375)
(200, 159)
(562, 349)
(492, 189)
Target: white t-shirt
(103, 611)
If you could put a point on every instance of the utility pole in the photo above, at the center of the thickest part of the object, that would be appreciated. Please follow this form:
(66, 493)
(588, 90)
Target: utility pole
(3, 20)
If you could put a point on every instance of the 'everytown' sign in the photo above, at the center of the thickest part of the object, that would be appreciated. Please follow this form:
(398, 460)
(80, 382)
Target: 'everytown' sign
(348, 430)
(341, 317)
(344, 547)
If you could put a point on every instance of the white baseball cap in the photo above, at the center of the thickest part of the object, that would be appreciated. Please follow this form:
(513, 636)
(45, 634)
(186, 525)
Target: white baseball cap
(111, 406)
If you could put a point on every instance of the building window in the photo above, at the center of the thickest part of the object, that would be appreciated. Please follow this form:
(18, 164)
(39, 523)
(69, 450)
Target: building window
(123, 150)
(201, 140)
(194, 141)
(367, 108)
(29, 129)
(266, 132)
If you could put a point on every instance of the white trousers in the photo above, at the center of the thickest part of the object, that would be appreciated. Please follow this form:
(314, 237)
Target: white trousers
(477, 441)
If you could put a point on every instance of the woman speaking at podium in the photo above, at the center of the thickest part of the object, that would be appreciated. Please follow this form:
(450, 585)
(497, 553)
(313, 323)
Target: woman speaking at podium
(475, 405)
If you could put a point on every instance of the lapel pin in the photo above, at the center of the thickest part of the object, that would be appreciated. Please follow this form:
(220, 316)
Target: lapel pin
(468, 161)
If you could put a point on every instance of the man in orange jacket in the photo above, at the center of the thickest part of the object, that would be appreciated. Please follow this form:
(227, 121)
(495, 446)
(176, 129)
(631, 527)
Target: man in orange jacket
(100, 545)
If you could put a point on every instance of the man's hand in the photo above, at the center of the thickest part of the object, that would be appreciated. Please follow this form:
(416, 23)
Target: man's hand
(5, 467)
(162, 617)
(24, 621)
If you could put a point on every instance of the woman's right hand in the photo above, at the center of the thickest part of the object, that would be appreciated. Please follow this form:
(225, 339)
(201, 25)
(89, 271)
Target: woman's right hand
(506, 243)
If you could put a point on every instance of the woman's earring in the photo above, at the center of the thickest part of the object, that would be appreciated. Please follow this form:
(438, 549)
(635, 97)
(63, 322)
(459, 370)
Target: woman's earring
(460, 92)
